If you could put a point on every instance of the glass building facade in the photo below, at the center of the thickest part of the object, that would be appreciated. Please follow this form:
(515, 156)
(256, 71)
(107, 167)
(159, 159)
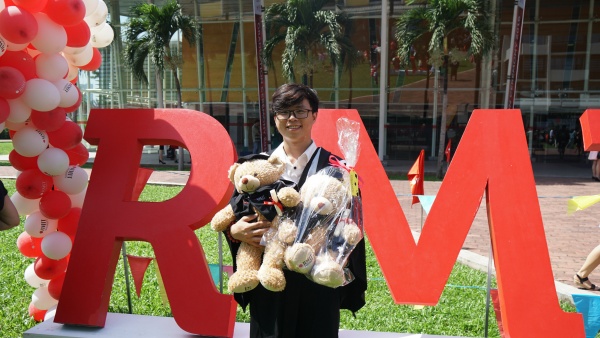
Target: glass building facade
(558, 74)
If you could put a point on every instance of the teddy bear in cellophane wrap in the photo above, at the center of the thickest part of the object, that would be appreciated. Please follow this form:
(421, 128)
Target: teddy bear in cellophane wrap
(329, 223)
(258, 190)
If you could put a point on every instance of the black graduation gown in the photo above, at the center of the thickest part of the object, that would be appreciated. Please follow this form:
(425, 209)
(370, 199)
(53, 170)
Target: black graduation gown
(304, 308)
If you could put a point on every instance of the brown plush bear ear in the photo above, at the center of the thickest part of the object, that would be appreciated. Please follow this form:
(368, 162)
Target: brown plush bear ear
(231, 172)
(275, 160)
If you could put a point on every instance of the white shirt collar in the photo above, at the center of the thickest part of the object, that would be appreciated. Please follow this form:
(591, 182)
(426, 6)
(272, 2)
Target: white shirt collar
(294, 171)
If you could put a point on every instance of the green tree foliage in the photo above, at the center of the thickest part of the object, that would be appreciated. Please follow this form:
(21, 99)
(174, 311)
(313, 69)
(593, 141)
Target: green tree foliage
(307, 30)
(148, 34)
(442, 25)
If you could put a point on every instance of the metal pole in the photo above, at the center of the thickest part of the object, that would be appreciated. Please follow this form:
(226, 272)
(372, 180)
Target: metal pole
(513, 62)
(383, 93)
(126, 272)
(261, 75)
(243, 60)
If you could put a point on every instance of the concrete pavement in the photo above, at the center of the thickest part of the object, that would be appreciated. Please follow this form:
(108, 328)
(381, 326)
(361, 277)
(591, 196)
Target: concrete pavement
(570, 237)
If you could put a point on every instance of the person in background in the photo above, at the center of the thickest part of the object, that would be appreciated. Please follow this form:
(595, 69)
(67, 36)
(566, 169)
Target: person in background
(303, 308)
(562, 138)
(9, 217)
(595, 165)
(161, 149)
(581, 279)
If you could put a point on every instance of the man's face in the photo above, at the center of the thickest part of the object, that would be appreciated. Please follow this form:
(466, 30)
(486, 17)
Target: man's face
(296, 129)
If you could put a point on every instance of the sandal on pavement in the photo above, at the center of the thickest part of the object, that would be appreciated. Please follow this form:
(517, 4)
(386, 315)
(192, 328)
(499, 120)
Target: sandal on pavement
(584, 283)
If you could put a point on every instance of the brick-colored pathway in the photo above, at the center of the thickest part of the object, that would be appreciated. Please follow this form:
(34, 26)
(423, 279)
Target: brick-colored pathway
(570, 237)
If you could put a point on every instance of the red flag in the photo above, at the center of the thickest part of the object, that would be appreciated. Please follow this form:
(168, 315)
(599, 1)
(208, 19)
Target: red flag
(415, 177)
(447, 151)
(138, 266)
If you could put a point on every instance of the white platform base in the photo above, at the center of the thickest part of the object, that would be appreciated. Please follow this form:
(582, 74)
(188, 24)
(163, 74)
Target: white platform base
(120, 325)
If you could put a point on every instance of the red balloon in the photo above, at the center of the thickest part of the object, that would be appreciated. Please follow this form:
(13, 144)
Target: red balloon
(69, 223)
(76, 105)
(17, 25)
(65, 12)
(20, 162)
(48, 120)
(12, 83)
(78, 35)
(55, 286)
(47, 268)
(20, 60)
(29, 246)
(37, 314)
(33, 184)
(4, 110)
(95, 63)
(33, 6)
(67, 136)
(55, 204)
(78, 155)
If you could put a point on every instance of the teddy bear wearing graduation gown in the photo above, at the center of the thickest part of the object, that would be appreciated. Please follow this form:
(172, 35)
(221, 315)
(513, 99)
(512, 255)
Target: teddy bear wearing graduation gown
(258, 190)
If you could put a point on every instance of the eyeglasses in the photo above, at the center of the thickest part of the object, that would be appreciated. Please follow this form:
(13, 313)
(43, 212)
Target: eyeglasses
(298, 113)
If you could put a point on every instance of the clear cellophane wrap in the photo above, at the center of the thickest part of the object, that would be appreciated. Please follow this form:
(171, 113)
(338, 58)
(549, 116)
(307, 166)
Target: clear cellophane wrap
(330, 219)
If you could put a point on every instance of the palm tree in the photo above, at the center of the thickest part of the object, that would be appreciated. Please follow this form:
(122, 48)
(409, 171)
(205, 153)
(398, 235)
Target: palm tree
(439, 21)
(148, 34)
(149, 31)
(306, 30)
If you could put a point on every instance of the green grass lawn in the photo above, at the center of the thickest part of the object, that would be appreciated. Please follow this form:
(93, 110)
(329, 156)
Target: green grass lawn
(5, 147)
(461, 310)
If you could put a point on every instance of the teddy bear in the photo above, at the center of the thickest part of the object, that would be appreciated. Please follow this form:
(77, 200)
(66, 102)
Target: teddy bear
(324, 198)
(258, 189)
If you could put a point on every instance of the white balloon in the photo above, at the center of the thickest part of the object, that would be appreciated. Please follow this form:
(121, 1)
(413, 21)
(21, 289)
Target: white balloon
(19, 111)
(102, 36)
(15, 47)
(56, 245)
(77, 199)
(53, 161)
(98, 28)
(2, 6)
(73, 72)
(42, 300)
(18, 126)
(37, 225)
(50, 313)
(73, 181)
(69, 94)
(51, 67)
(32, 279)
(98, 16)
(51, 37)
(30, 142)
(3, 43)
(82, 58)
(74, 50)
(90, 6)
(25, 206)
(41, 95)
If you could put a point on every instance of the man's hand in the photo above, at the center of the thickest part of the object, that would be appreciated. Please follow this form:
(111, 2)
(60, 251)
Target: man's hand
(247, 232)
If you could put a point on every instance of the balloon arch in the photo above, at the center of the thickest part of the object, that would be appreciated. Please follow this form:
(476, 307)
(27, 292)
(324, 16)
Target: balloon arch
(43, 45)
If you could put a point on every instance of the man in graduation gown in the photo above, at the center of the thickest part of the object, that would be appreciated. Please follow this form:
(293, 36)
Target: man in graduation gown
(303, 309)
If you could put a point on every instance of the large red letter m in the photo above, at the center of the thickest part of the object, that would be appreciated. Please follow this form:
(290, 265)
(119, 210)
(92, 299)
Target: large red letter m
(493, 158)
